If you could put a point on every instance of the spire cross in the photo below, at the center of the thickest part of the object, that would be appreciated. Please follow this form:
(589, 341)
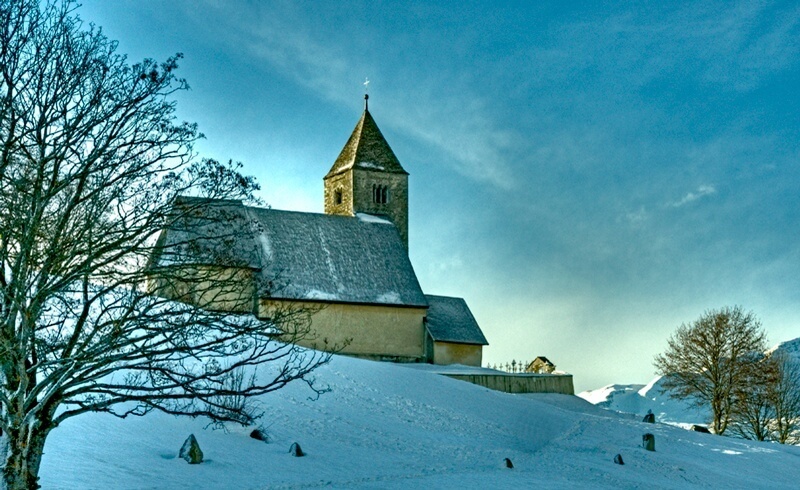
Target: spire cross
(366, 94)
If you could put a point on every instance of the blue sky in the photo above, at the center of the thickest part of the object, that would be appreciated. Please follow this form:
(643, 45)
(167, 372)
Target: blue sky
(586, 177)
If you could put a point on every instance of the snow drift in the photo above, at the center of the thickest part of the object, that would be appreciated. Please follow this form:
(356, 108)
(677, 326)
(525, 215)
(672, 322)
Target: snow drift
(388, 426)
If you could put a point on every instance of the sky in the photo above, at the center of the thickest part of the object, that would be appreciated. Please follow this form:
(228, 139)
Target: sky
(588, 176)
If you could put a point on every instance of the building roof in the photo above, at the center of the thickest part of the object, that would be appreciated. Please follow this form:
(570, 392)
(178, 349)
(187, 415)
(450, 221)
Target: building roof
(366, 149)
(308, 256)
(206, 232)
(336, 258)
(450, 320)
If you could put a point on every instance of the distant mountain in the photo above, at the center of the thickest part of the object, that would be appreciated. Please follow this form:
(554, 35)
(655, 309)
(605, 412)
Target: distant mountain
(791, 347)
(638, 399)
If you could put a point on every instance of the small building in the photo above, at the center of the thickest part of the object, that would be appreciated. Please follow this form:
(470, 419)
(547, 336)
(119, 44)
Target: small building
(540, 365)
(452, 334)
(349, 266)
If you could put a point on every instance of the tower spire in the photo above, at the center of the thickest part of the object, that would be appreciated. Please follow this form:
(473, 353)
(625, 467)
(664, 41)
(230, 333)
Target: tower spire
(366, 94)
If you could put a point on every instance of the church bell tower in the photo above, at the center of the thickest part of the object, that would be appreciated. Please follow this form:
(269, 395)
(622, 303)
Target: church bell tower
(367, 177)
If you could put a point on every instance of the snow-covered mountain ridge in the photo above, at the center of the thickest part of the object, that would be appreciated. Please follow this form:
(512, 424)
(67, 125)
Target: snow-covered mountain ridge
(638, 399)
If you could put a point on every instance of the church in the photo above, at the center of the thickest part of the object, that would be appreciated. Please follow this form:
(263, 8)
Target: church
(349, 266)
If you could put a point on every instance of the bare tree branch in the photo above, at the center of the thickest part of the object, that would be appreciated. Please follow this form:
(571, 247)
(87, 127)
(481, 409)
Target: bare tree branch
(93, 167)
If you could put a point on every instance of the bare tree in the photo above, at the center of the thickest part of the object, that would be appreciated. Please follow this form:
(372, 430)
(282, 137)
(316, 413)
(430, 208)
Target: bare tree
(785, 400)
(706, 360)
(753, 412)
(91, 167)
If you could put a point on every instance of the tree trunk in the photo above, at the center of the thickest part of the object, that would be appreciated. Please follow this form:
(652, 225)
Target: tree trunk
(23, 450)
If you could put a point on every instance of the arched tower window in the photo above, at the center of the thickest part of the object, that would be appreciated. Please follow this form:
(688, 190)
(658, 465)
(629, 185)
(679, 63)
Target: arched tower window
(337, 196)
(380, 194)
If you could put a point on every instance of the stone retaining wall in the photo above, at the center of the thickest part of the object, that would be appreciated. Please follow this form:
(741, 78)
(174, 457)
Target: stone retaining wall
(521, 383)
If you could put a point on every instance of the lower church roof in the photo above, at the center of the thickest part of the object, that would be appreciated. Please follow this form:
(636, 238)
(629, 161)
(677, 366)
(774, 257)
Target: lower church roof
(450, 320)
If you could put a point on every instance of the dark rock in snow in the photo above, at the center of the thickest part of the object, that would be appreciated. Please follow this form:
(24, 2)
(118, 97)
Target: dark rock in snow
(650, 418)
(190, 451)
(700, 428)
(618, 459)
(649, 442)
(508, 463)
(260, 435)
(296, 451)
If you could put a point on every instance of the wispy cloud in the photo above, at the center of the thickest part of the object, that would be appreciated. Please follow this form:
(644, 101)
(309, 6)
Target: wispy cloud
(455, 121)
(701, 192)
(637, 217)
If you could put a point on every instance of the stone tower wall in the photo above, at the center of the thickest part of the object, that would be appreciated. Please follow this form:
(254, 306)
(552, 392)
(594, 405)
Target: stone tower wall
(344, 183)
(397, 207)
(356, 187)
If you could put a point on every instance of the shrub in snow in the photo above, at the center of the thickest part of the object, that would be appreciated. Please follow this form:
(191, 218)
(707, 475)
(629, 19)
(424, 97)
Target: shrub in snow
(700, 428)
(296, 451)
(190, 451)
(649, 442)
(618, 459)
(650, 418)
(508, 463)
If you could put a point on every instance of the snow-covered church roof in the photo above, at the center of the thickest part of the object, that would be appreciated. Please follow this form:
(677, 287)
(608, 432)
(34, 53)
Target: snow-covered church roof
(301, 256)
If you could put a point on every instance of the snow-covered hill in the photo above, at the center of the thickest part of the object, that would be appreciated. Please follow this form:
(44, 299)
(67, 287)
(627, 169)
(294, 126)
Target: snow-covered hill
(791, 347)
(388, 426)
(638, 399)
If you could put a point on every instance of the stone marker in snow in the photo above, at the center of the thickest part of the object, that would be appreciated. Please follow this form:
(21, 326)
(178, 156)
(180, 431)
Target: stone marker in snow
(190, 451)
(650, 418)
(618, 459)
(260, 435)
(296, 451)
(508, 463)
(649, 442)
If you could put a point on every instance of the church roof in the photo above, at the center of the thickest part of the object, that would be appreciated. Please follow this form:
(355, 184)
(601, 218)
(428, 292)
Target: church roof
(450, 320)
(205, 232)
(366, 149)
(310, 256)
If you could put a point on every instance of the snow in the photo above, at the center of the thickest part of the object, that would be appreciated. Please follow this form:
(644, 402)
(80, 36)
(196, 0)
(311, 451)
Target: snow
(386, 426)
(321, 295)
(376, 166)
(266, 247)
(392, 297)
(638, 399)
(371, 218)
(790, 347)
(453, 369)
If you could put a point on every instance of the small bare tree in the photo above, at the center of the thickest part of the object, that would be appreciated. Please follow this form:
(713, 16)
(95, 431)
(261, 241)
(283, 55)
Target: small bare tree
(708, 359)
(785, 399)
(91, 166)
(753, 411)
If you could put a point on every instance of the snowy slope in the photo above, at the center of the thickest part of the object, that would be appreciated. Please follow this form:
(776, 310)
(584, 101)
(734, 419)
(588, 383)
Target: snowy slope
(638, 399)
(388, 426)
(791, 347)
